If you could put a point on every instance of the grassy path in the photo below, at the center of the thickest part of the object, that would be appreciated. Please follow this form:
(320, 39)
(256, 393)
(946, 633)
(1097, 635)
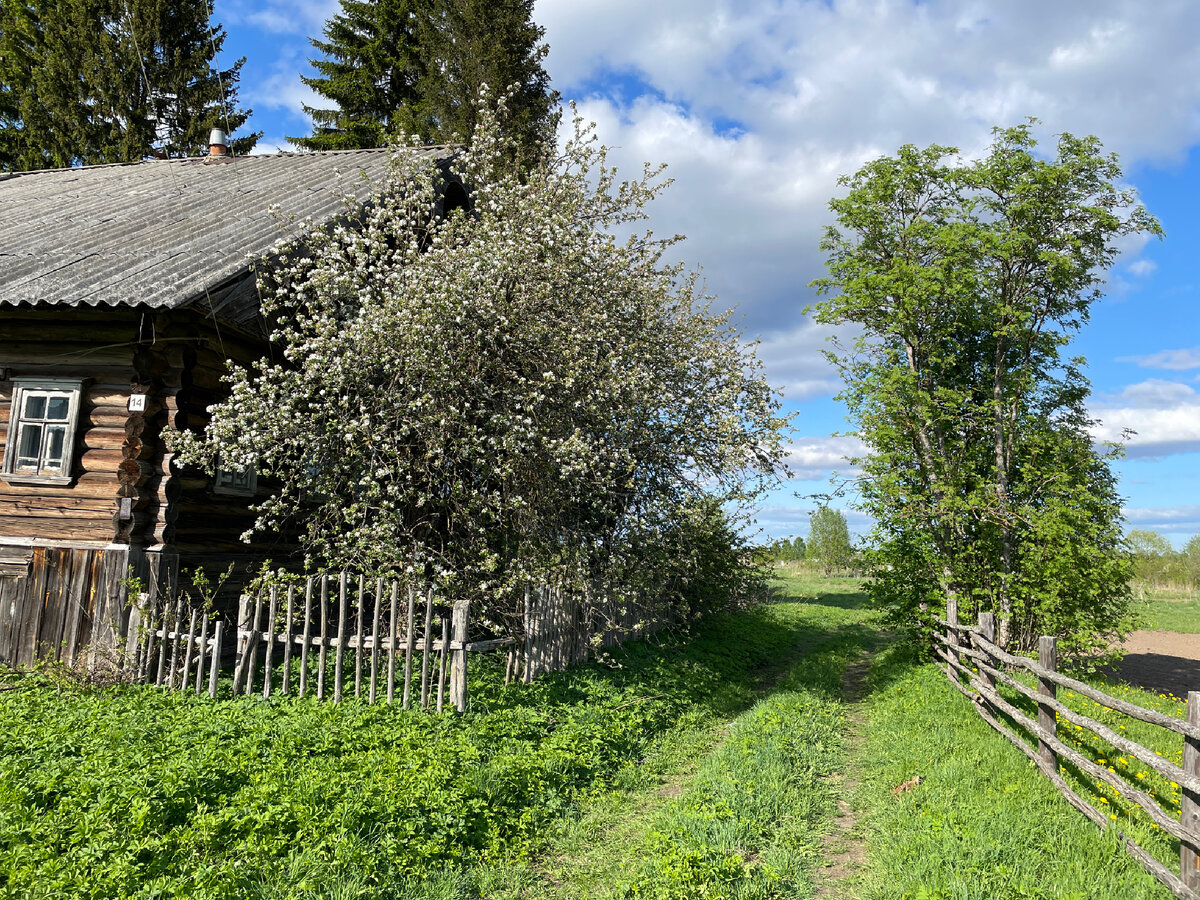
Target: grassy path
(844, 846)
(724, 808)
(858, 774)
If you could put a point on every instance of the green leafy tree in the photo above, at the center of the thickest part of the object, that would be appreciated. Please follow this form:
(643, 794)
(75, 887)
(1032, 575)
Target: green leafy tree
(965, 281)
(491, 397)
(418, 66)
(101, 81)
(829, 540)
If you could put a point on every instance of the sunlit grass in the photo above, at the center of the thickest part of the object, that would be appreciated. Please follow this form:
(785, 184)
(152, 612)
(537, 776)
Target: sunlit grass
(984, 822)
(1171, 614)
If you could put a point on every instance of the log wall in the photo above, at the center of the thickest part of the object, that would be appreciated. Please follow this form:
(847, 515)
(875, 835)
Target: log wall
(59, 543)
(95, 345)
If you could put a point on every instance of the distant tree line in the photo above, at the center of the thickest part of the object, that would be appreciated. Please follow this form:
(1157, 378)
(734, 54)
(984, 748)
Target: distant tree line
(1156, 562)
(828, 548)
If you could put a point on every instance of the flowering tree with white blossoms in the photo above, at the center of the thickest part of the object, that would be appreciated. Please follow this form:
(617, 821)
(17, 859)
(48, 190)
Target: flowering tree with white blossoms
(494, 394)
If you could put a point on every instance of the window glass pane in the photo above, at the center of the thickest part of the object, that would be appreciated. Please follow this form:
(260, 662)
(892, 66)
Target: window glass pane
(35, 406)
(57, 407)
(29, 446)
(52, 458)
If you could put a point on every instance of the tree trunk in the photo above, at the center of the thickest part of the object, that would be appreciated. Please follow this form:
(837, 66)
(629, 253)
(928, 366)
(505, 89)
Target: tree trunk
(1003, 596)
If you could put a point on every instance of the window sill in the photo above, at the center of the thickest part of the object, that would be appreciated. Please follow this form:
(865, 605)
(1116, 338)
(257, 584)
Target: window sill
(17, 478)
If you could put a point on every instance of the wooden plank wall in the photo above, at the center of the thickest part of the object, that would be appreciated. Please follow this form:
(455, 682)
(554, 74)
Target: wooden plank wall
(71, 605)
(565, 626)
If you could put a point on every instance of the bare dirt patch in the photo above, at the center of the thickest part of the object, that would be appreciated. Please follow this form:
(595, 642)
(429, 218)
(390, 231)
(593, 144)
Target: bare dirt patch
(1161, 661)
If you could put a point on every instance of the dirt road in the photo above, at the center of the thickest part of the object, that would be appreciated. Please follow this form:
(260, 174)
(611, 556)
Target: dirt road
(1162, 661)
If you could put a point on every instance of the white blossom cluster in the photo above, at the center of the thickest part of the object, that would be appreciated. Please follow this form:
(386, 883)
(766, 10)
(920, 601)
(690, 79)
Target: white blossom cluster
(484, 396)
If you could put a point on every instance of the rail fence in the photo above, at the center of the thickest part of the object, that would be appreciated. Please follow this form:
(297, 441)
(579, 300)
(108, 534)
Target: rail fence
(970, 653)
(338, 635)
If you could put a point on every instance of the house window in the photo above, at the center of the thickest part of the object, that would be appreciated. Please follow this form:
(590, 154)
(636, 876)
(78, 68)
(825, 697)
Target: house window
(233, 483)
(41, 430)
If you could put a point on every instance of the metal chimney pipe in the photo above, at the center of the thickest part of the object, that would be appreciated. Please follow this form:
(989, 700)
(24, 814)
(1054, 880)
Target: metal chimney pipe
(217, 143)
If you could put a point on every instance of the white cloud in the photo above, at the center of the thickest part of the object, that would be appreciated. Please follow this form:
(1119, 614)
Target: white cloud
(1169, 519)
(283, 89)
(816, 458)
(1165, 416)
(794, 363)
(816, 89)
(269, 144)
(1143, 267)
(306, 17)
(1175, 360)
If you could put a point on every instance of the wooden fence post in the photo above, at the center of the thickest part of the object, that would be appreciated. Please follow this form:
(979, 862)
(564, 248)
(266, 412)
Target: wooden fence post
(987, 631)
(339, 658)
(216, 659)
(458, 670)
(952, 633)
(241, 649)
(1048, 659)
(1189, 813)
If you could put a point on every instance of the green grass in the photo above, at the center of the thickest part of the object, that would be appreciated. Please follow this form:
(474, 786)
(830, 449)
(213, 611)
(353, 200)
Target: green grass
(139, 793)
(1166, 614)
(984, 823)
(703, 767)
(720, 809)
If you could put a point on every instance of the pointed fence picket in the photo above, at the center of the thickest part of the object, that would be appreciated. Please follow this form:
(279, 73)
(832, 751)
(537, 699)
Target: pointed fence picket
(387, 640)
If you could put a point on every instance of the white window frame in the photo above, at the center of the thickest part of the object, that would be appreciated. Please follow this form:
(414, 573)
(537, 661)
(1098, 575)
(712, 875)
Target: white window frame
(22, 389)
(231, 483)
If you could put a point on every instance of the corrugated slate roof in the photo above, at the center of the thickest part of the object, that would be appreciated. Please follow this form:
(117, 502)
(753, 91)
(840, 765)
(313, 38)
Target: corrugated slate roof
(164, 233)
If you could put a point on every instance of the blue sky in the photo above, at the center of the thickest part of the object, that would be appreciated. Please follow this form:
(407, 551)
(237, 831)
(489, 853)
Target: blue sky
(757, 106)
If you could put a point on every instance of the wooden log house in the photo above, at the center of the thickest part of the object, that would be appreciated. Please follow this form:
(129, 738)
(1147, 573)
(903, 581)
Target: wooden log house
(124, 290)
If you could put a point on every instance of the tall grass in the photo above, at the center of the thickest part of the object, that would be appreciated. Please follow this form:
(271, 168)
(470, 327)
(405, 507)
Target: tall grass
(1168, 614)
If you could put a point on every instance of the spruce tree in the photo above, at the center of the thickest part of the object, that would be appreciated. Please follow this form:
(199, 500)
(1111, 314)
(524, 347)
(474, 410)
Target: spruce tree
(492, 42)
(370, 72)
(101, 81)
(417, 66)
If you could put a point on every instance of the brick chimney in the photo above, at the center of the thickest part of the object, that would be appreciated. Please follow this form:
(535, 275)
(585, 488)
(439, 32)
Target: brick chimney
(217, 143)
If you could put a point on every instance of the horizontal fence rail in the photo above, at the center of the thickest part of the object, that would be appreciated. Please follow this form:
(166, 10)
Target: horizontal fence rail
(969, 654)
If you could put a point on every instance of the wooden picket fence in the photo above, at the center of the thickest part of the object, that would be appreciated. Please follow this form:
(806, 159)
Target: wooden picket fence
(970, 654)
(336, 635)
